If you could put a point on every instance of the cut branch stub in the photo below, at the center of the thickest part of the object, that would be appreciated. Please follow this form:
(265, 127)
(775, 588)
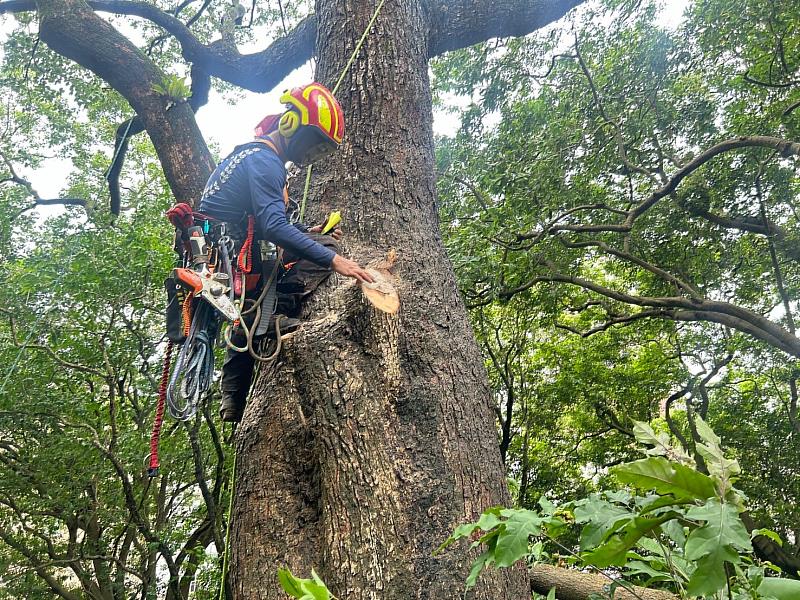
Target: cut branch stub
(381, 292)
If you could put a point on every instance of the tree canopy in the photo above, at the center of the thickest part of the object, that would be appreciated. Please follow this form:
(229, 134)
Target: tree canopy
(621, 204)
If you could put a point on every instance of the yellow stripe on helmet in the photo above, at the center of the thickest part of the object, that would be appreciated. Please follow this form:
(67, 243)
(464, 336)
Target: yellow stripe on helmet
(328, 116)
(329, 119)
(287, 98)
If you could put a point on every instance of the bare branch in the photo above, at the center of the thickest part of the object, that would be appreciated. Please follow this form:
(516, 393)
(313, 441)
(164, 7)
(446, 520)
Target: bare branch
(37, 199)
(784, 147)
(622, 147)
(46, 349)
(768, 84)
(461, 23)
(750, 224)
(624, 320)
(682, 309)
(680, 284)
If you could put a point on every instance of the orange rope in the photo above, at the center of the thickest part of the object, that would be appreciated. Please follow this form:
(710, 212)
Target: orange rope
(187, 313)
(245, 260)
(152, 471)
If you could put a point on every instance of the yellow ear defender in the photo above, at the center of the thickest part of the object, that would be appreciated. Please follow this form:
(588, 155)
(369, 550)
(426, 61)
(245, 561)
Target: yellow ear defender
(289, 124)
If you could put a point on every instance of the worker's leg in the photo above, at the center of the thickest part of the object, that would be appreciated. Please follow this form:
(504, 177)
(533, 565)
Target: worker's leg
(237, 375)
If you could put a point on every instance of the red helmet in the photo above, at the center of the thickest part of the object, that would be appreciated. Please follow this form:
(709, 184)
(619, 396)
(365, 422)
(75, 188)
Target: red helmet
(314, 124)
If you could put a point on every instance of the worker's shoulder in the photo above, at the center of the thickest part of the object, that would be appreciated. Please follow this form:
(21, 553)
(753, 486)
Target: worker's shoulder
(253, 153)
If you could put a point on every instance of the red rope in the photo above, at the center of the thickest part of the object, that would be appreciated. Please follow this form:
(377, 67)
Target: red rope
(152, 471)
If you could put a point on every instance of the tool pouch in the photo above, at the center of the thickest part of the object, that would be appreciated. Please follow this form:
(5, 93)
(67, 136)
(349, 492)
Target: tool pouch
(174, 311)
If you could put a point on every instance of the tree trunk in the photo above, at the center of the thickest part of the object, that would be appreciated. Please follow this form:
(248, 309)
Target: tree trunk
(374, 436)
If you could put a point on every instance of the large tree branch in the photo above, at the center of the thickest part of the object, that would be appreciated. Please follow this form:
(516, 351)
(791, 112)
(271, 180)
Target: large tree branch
(785, 147)
(257, 72)
(682, 309)
(576, 585)
(71, 28)
(201, 85)
(759, 226)
(454, 24)
(460, 23)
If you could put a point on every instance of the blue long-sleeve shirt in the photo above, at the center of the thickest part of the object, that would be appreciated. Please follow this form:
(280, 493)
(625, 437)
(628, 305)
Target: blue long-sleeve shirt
(250, 181)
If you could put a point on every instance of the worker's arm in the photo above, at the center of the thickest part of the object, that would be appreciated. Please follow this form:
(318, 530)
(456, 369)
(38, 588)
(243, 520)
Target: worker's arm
(266, 188)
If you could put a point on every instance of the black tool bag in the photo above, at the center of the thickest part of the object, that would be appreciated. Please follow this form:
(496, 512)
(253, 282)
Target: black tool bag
(174, 314)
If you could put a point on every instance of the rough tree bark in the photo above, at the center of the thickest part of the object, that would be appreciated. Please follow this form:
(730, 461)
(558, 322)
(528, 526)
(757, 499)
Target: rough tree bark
(374, 437)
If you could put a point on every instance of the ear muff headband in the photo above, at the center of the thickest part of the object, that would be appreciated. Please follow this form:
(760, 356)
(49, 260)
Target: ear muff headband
(289, 124)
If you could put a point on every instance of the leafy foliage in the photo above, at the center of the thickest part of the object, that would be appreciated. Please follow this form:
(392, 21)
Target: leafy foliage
(173, 87)
(588, 327)
(505, 533)
(81, 327)
(681, 529)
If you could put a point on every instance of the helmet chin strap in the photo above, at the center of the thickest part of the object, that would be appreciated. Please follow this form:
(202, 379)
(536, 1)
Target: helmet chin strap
(283, 144)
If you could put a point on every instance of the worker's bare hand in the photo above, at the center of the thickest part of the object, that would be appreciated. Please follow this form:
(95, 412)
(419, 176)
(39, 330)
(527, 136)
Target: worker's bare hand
(336, 234)
(349, 268)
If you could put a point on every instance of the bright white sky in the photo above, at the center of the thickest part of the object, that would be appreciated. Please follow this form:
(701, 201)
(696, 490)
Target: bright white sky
(226, 125)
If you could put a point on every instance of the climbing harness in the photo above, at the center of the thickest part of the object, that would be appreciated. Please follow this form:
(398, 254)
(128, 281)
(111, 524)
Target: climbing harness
(214, 279)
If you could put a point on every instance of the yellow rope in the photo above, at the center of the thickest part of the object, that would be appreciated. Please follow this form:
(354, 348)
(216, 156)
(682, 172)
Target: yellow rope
(336, 89)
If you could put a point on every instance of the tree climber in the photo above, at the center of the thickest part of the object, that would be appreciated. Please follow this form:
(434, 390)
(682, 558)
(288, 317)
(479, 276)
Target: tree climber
(249, 186)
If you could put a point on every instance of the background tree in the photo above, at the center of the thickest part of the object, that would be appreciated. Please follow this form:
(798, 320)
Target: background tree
(79, 518)
(639, 191)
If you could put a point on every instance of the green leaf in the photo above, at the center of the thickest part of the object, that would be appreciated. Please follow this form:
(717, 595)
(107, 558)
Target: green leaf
(482, 561)
(665, 477)
(767, 533)
(304, 589)
(601, 518)
(654, 503)
(675, 532)
(289, 583)
(782, 589)
(537, 550)
(548, 508)
(718, 464)
(638, 567)
(316, 589)
(705, 432)
(709, 577)
(723, 527)
(512, 543)
(615, 550)
(647, 436)
(487, 521)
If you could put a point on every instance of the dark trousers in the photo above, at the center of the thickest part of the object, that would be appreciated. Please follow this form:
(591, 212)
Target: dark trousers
(293, 287)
